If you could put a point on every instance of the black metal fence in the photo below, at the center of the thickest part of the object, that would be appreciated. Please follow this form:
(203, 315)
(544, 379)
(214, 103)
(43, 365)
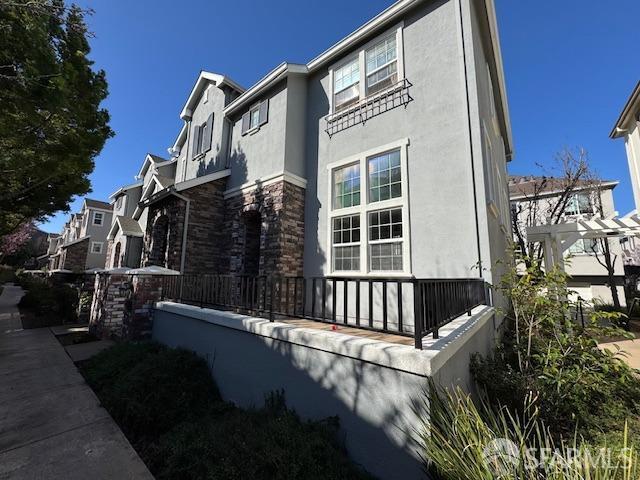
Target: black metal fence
(406, 307)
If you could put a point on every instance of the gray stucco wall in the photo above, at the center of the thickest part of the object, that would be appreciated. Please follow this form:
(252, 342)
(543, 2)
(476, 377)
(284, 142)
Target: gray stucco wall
(443, 230)
(371, 386)
(215, 159)
(372, 402)
(98, 233)
(260, 153)
(494, 222)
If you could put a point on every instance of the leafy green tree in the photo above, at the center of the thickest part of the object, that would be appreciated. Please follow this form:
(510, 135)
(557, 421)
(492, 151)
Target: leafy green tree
(51, 123)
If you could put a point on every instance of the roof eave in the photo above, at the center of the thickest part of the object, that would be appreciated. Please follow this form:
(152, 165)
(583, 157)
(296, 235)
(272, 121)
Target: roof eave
(196, 91)
(619, 129)
(270, 79)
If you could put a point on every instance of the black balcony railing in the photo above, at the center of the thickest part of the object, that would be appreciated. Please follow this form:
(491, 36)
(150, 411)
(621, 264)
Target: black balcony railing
(397, 95)
(406, 307)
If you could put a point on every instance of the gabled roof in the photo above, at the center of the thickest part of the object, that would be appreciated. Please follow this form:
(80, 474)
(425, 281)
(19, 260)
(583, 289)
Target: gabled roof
(522, 186)
(128, 226)
(628, 112)
(203, 80)
(149, 159)
(88, 202)
(125, 188)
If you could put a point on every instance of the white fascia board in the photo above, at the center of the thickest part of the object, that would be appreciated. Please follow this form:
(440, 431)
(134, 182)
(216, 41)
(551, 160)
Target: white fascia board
(148, 161)
(497, 57)
(274, 76)
(124, 189)
(341, 47)
(114, 230)
(182, 136)
(202, 80)
(620, 128)
(194, 182)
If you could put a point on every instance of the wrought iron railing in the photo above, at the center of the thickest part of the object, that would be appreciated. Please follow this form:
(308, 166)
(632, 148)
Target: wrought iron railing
(406, 307)
(397, 95)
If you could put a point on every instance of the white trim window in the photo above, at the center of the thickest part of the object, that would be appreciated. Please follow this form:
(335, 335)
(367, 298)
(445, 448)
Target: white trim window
(98, 218)
(254, 117)
(585, 246)
(369, 216)
(382, 64)
(346, 84)
(96, 247)
(374, 68)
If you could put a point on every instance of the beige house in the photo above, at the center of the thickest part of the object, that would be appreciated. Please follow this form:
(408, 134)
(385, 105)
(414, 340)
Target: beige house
(82, 244)
(588, 277)
(628, 127)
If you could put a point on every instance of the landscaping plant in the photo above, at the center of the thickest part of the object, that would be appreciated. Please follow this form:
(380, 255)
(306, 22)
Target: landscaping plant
(169, 407)
(463, 441)
(546, 353)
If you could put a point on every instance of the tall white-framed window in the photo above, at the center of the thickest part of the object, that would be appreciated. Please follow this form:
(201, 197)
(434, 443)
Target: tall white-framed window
(377, 66)
(369, 213)
(96, 247)
(98, 218)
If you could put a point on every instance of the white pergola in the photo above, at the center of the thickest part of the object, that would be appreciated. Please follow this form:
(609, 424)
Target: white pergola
(557, 238)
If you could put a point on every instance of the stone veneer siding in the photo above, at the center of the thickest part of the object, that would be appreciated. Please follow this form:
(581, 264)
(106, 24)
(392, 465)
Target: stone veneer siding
(281, 209)
(75, 258)
(122, 305)
(217, 237)
(173, 209)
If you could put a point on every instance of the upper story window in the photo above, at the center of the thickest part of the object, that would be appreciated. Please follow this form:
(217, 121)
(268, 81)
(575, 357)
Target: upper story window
(377, 66)
(98, 218)
(579, 204)
(202, 137)
(370, 233)
(257, 116)
(347, 84)
(119, 202)
(382, 65)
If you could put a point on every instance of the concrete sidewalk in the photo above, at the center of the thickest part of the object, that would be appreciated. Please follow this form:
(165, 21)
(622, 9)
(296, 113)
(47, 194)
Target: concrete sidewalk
(51, 423)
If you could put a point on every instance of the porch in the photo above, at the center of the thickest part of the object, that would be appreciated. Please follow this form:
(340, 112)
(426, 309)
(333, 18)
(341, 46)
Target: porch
(393, 310)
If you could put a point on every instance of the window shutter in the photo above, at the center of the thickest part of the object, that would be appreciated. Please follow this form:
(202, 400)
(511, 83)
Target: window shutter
(245, 122)
(196, 140)
(208, 133)
(264, 112)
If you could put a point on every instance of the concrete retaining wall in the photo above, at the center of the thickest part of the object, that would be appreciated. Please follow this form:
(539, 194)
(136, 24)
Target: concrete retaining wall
(370, 385)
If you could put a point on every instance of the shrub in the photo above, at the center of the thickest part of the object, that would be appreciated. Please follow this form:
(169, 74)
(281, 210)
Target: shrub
(150, 389)
(169, 407)
(7, 274)
(53, 302)
(256, 444)
(544, 353)
(467, 442)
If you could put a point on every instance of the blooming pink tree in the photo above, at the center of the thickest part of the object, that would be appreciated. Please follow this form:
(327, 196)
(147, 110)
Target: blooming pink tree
(13, 242)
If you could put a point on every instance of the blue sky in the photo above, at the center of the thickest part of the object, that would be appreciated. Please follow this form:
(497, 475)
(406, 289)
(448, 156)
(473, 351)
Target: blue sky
(568, 66)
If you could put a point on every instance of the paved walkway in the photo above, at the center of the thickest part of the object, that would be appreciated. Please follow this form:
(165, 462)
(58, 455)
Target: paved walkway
(51, 423)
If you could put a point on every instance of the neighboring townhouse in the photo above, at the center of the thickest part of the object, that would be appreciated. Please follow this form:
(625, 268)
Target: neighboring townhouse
(587, 276)
(124, 240)
(82, 243)
(628, 127)
(384, 156)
